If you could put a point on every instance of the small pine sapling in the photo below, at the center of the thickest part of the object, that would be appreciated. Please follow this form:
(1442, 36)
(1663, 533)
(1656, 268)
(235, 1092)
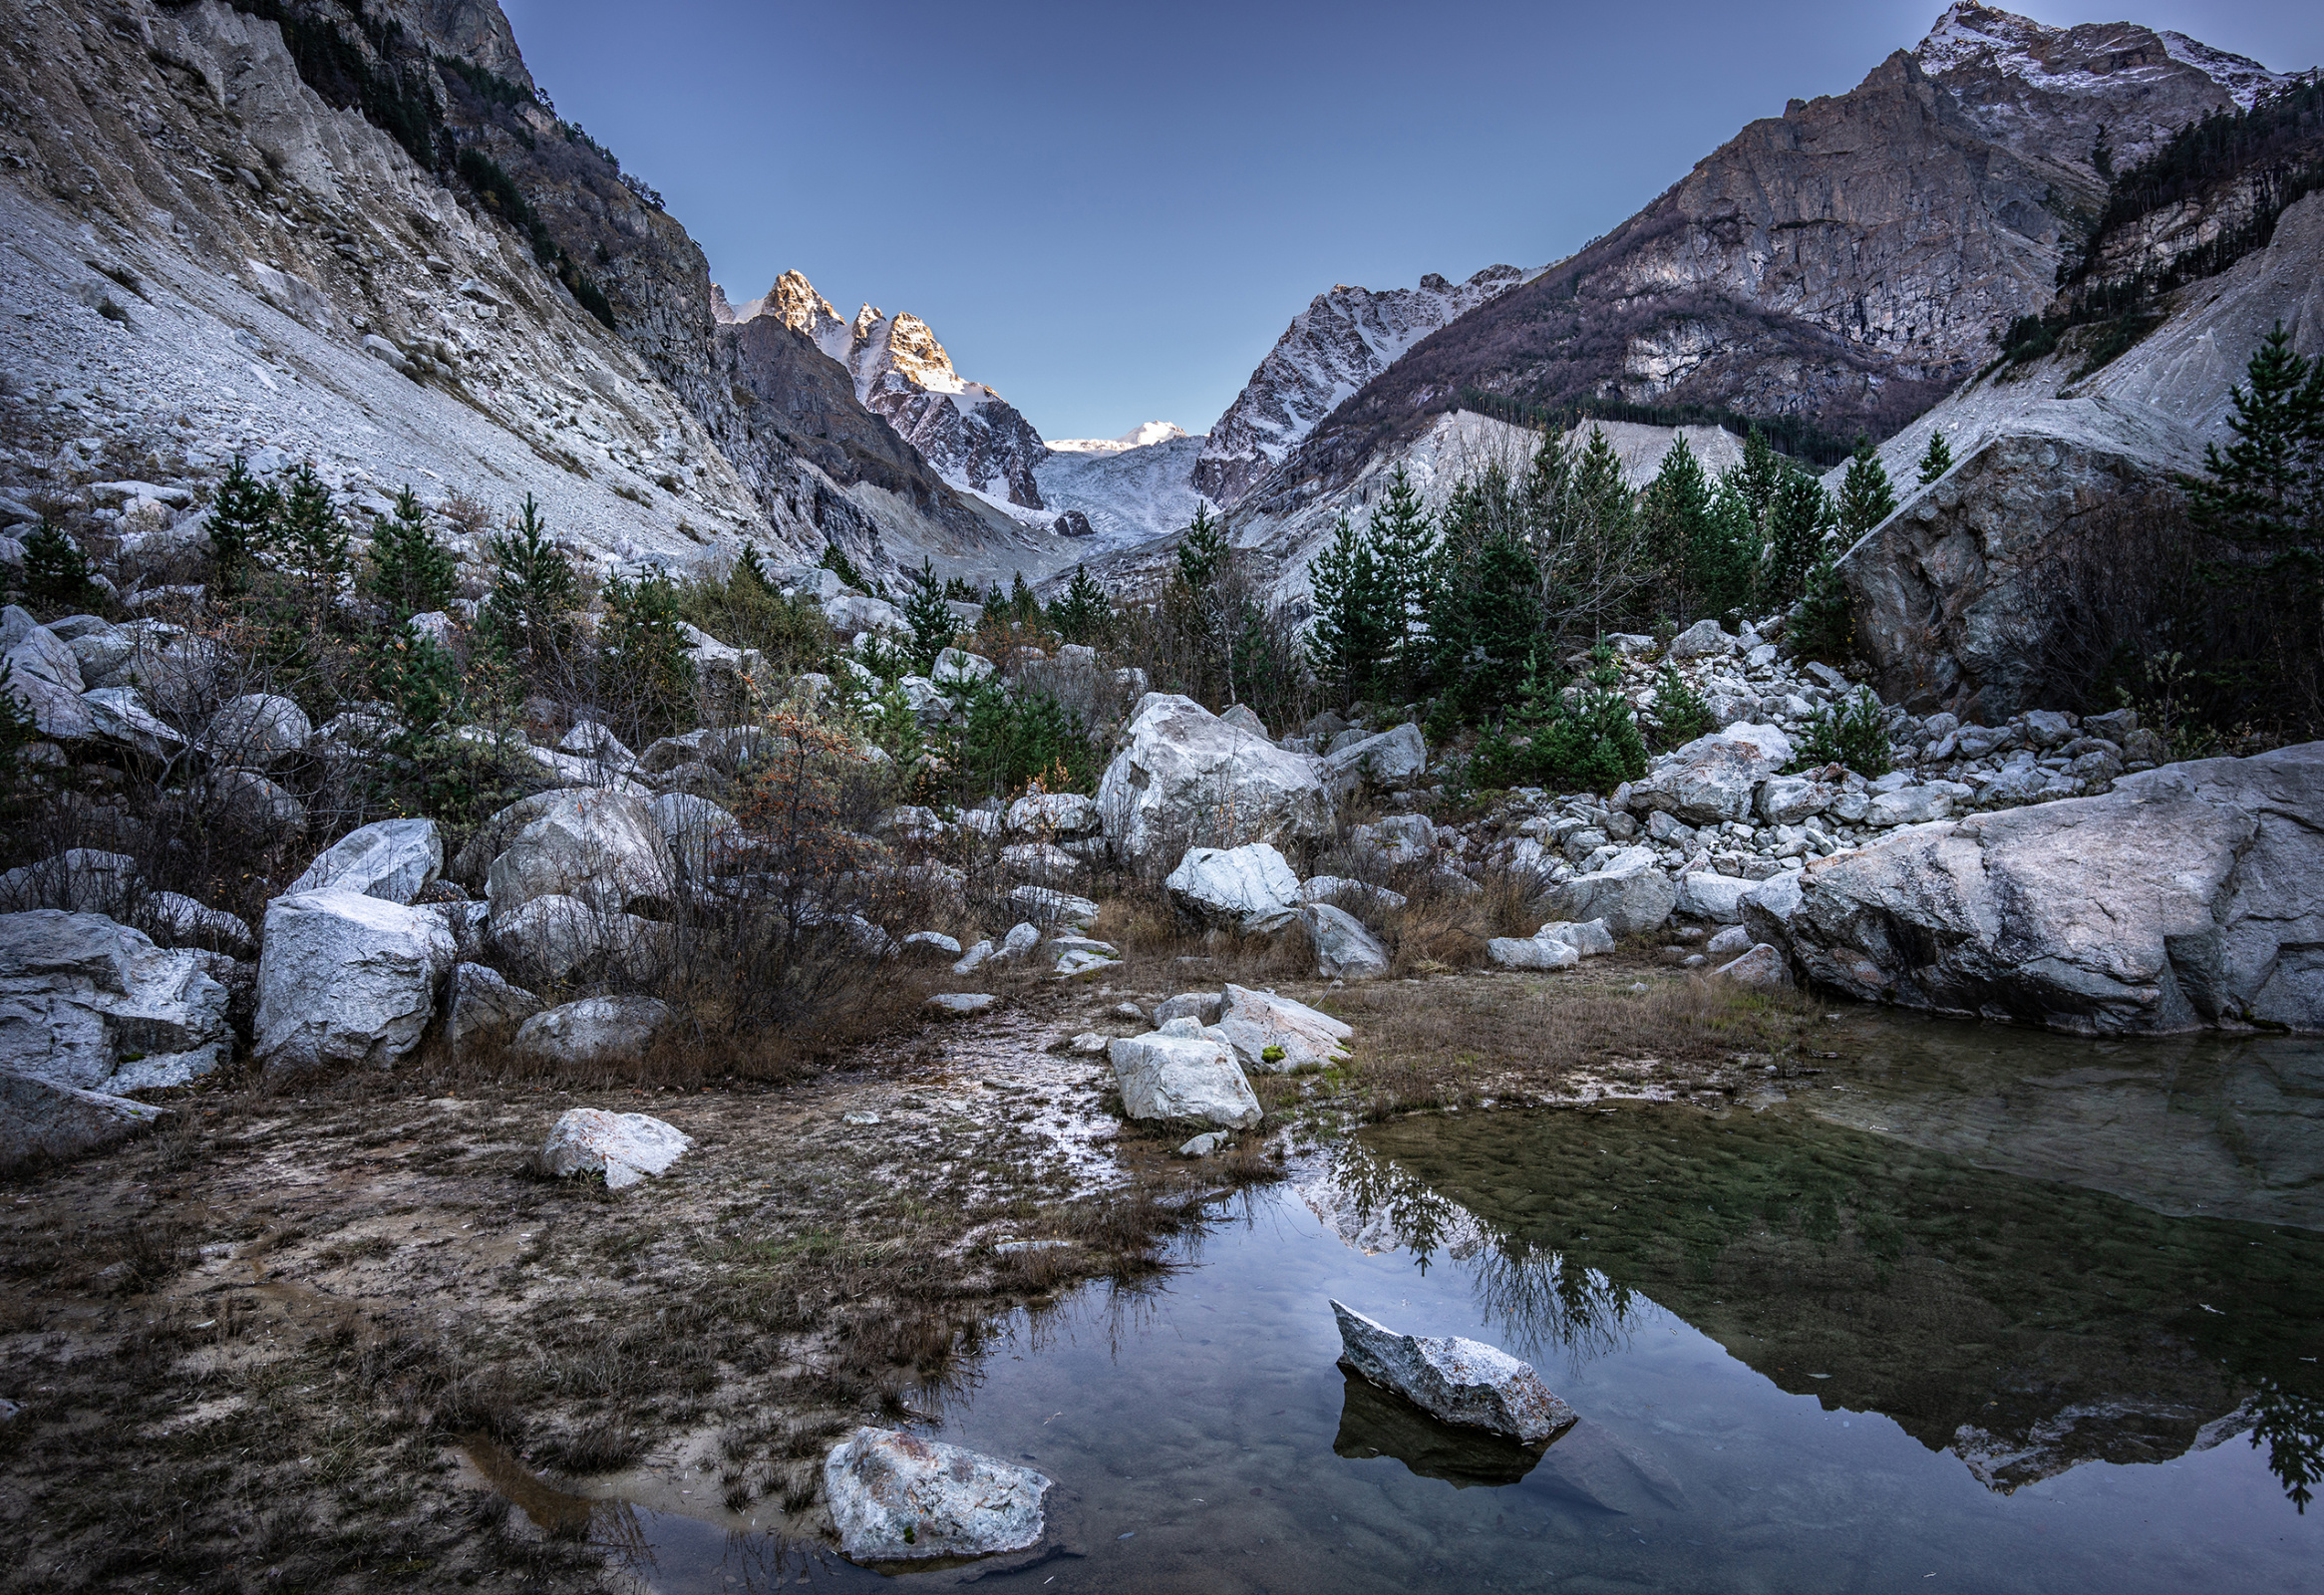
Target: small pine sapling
(1680, 713)
(533, 586)
(930, 617)
(412, 571)
(242, 523)
(1937, 460)
(1852, 732)
(56, 573)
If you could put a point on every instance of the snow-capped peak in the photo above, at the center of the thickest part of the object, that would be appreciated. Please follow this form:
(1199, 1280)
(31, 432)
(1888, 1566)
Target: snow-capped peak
(1143, 435)
(2081, 60)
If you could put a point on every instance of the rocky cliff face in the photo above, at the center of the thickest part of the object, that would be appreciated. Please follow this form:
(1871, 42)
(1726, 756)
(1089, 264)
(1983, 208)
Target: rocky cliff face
(1849, 261)
(969, 434)
(377, 248)
(1340, 342)
(1954, 591)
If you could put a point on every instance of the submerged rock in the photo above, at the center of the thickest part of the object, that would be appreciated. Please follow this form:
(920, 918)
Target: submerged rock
(898, 1498)
(1461, 1381)
(624, 1148)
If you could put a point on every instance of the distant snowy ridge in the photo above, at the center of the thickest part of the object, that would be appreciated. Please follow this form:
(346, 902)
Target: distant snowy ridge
(973, 437)
(1143, 435)
(1341, 341)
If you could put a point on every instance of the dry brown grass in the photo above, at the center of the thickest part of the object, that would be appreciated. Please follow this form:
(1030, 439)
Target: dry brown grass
(1451, 1042)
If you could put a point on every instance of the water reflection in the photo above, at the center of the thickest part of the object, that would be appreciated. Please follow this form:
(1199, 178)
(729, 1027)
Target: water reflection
(2023, 1325)
(1377, 1423)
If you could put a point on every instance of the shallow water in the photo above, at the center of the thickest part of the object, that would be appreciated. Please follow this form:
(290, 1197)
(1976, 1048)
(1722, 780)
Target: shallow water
(2017, 1337)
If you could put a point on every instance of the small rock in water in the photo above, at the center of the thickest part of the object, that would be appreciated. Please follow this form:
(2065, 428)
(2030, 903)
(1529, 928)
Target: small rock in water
(624, 1148)
(1460, 1381)
(897, 1497)
(1204, 1145)
(860, 1118)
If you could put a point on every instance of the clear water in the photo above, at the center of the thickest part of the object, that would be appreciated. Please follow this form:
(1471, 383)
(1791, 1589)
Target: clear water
(2053, 1326)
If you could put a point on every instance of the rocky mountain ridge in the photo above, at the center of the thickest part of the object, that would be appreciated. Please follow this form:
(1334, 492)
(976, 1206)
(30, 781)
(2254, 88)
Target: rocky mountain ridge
(382, 250)
(970, 433)
(1340, 342)
(1848, 262)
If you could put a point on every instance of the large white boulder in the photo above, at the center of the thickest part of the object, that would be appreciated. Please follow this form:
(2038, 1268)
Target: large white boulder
(1275, 1035)
(1589, 938)
(1459, 1381)
(257, 730)
(1054, 814)
(1705, 639)
(897, 1498)
(391, 860)
(604, 847)
(624, 1148)
(92, 1004)
(1766, 908)
(45, 676)
(119, 715)
(1249, 887)
(593, 1033)
(556, 937)
(1710, 779)
(1183, 1071)
(1189, 777)
(2190, 895)
(1344, 948)
(81, 880)
(1394, 758)
(41, 1118)
(703, 838)
(346, 979)
(1630, 893)
(1717, 898)
(479, 1003)
(852, 614)
(1531, 952)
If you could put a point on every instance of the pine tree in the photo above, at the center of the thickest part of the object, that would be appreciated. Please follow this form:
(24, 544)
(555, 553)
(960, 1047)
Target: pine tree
(412, 571)
(1760, 477)
(835, 561)
(312, 540)
(644, 641)
(995, 601)
(1085, 614)
(56, 573)
(242, 524)
(2265, 494)
(1349, 635)
(750, 571)
(534, 587)
(1797, 522)
(1023, 602)
(2260, 502)
(1201, 550)
(1402, 533)
(1679, 518)
(1866, 498)
(930, 617)
(1937, 460)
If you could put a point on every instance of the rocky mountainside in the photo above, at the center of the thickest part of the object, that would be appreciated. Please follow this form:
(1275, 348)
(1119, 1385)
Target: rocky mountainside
(1129, 492)
(1340, 342)
(1846, 263)
(967, 431)
(375, 246)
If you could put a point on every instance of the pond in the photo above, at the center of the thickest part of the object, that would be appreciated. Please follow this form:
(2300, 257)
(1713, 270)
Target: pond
(1975, 1309)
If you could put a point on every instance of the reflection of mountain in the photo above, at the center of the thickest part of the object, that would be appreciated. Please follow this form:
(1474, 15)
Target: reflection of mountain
(2023, 1325)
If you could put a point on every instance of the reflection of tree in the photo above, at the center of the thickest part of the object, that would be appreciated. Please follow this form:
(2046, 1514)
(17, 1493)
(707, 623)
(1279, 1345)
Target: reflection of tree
(2294, 1427)
(1540, 1292)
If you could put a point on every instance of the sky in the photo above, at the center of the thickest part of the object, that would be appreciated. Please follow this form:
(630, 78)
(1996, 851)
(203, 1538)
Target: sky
(1109, 213)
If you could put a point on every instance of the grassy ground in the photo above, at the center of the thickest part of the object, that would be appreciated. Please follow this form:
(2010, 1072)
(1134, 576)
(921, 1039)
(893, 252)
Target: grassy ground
(322, 1342)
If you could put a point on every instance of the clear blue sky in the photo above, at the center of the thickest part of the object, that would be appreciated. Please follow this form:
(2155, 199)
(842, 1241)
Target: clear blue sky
(1109, 213)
